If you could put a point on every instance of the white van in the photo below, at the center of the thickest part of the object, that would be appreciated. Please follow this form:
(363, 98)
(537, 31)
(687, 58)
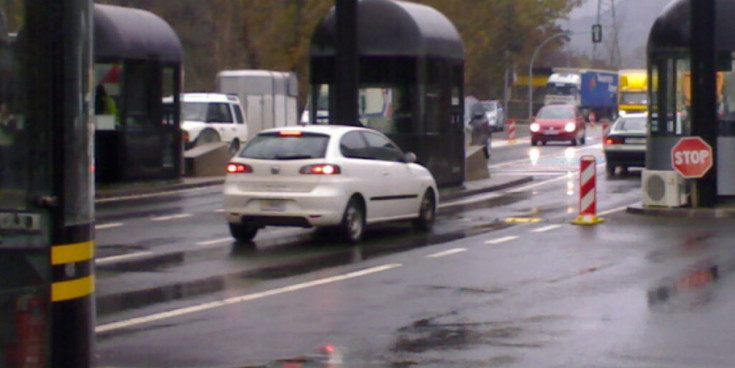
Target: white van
(212, 117)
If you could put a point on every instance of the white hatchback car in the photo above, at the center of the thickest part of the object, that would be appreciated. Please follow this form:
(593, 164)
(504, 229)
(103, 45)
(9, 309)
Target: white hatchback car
(212, 117)
(325, 176)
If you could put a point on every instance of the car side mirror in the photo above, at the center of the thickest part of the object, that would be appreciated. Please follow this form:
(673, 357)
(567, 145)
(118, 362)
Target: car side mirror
(409, 157)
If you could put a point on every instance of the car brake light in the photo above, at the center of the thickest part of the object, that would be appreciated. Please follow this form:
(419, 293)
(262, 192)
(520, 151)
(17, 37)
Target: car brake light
(613, 141)
(234, 168)
(320, 169)
(290, 133)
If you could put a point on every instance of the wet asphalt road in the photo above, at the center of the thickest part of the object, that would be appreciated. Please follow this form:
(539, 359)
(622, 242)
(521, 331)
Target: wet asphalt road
(504, 281)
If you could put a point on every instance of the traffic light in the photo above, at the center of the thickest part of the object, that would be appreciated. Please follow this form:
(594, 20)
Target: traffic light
(596, 33)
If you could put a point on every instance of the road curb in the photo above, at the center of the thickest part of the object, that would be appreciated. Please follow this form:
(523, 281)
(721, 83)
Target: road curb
(639, 209)
(155, 188)
(464, 191)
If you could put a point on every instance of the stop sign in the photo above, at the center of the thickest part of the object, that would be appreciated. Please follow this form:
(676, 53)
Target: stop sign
(691, 157)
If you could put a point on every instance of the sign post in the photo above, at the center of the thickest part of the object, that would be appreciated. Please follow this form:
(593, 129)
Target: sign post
(691, 157)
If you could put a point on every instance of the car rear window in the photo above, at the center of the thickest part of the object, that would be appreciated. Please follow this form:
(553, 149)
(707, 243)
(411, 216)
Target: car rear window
(274, 146)
(637, 124)
(555, 112)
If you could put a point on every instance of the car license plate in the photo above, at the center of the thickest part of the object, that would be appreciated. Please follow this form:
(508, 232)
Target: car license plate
(278, 205)
(551, 132)
(635, 140)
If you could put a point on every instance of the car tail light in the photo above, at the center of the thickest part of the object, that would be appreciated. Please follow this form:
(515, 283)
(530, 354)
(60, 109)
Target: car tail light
(290, 133)
(613, 140)
(185, 136)
(320, 169)
(235, 168)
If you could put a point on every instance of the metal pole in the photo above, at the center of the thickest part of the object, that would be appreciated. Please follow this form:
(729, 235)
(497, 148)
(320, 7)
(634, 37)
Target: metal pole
(704, 94)
(530, 70)
(346, 70)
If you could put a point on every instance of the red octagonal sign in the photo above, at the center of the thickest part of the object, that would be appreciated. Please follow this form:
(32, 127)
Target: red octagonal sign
(691, 157)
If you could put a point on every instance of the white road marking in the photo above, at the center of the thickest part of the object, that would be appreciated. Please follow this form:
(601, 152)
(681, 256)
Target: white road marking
(501, 240)
(219, 210)
(107, 260)
(172, 217)
(216, 241)
(546, 228)
(622, 208)
(446, 253)
(240, 299)
(108, 226)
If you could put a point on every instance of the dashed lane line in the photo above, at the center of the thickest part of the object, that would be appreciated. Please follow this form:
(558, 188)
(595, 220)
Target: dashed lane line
(124, 257)
(108, 226)
(242, 298)
(546, 228)
(172, 217)
(216, 241)
(446, 253)
(501, 240)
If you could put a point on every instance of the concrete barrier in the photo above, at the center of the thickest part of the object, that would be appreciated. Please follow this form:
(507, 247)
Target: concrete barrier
(209, 159)
(475, 163)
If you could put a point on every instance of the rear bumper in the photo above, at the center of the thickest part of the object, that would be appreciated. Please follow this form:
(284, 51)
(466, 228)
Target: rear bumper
(320, 207)
(627, 158)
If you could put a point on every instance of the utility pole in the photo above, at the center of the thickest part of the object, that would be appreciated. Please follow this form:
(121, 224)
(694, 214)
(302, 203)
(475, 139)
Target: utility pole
(607, 19)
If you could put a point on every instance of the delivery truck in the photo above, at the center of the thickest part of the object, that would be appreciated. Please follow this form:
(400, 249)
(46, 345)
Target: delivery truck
(595, 92)
(268, 97)
(633, 91)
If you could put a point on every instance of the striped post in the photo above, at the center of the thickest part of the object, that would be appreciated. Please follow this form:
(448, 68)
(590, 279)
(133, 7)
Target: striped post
(511, 131)
(587, 192)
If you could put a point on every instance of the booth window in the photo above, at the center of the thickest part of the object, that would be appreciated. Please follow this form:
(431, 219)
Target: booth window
(386, 108)
(671, 102)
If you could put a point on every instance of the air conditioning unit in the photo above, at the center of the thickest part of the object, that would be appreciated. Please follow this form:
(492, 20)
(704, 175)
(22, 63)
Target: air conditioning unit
(663, 188)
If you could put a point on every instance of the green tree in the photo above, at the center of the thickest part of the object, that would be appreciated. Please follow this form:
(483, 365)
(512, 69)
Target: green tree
(275, 35)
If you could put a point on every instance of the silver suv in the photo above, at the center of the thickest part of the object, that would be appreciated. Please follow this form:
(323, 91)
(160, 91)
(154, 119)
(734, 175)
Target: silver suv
(212, 117)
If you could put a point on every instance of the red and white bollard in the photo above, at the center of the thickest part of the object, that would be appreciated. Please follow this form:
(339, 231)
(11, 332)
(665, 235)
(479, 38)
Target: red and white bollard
(511, 131)
(587, 192)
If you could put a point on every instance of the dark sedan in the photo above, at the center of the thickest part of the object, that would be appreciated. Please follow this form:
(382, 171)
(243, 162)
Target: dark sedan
(625, 143)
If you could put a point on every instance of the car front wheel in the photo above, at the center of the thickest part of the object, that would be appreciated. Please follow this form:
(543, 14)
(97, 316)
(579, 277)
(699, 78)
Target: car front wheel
(353, 222)
(427, 212)
(243, 233)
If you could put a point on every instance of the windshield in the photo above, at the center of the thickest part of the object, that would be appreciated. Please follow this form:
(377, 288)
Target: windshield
(629, 124)
(273, 146)
(634, 98)
(562, 89)
(194, 111)
(556, 112)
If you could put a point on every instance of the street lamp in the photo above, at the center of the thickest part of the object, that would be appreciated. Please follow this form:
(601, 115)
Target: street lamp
(530, 69)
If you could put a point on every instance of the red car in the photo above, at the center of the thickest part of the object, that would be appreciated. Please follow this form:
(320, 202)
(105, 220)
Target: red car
(558, 123)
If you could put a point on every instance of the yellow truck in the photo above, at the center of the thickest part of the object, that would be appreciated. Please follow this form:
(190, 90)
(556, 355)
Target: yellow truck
(633, 96)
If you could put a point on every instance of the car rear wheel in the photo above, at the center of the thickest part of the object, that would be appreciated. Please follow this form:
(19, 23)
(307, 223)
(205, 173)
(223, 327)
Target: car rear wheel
(427, 212)
(207, 136)
(353, 222)
(243, 233)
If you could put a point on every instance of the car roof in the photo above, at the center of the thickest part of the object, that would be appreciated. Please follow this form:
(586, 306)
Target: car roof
(206, 97)
(319, 128)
